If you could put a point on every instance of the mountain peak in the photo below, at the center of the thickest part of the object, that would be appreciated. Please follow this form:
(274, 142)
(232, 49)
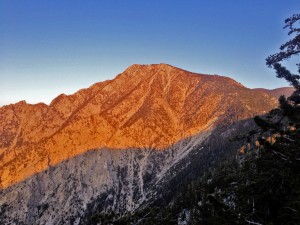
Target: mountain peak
(145, 67)
(146, 106)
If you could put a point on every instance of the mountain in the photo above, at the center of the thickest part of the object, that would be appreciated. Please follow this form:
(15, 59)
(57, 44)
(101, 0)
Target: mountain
(146, 106)
(118, 144)
(286, 91)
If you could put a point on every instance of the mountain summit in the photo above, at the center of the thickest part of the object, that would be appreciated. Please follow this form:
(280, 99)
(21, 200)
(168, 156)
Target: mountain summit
(146, 106)
(119, 144)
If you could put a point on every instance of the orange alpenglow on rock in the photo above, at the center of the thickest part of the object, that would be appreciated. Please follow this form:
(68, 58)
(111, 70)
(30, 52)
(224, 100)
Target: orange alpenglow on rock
(146, 106)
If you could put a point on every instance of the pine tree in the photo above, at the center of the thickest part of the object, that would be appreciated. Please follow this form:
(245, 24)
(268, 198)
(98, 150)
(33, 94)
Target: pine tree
(291, 106)
(280, 140)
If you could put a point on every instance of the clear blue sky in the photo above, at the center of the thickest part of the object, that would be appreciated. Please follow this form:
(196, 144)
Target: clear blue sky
(60, 46)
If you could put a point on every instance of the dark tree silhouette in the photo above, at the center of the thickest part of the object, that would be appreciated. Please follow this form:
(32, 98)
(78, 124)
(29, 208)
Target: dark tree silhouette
(291, 48)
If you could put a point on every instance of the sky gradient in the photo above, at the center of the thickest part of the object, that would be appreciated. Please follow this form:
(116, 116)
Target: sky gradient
(53, 47)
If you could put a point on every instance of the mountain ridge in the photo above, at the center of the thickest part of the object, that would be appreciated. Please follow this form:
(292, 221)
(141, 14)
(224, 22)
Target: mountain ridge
(145, 106)
(132, 68)
(121, 143)
(277, 92)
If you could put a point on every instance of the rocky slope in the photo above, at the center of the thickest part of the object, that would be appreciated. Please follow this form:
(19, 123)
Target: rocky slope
(117, 142)
(105, 180)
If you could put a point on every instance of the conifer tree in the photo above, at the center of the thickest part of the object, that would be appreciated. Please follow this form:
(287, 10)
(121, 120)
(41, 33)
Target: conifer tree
(291, 106)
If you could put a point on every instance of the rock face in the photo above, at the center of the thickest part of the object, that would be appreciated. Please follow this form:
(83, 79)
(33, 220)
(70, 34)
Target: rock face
(114, 144)
(119, 180)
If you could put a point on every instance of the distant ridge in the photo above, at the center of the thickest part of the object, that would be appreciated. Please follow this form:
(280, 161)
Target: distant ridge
(277, 92)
